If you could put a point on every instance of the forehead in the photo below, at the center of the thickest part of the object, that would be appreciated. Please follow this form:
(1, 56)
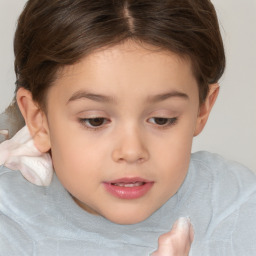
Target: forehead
(129, 53)
(127, 68)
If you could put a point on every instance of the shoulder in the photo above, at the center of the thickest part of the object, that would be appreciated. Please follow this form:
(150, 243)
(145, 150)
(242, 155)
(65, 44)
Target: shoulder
(232, 203)
(18, 196)
(232, 184)
(214, 160)
(14, 240)
(223, 170)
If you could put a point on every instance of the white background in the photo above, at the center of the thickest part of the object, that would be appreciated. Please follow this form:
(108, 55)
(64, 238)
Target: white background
(231, 129)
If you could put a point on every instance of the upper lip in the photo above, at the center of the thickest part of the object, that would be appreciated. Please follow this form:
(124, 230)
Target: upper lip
(129, 180)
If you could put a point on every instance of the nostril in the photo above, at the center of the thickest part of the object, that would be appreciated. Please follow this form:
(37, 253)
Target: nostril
(129, 158)
(131, 149)
(141, 160)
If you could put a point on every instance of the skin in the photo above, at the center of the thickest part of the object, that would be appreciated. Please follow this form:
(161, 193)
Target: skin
(138, 85)
(176, 242)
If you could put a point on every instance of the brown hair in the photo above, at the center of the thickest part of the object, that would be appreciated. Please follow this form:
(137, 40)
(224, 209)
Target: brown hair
(54, 33)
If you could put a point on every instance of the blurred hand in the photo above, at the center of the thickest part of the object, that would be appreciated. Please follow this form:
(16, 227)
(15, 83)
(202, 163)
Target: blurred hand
(178, 241)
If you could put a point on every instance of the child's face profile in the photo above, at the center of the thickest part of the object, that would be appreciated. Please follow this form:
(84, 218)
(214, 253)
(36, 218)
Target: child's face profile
(121, 124)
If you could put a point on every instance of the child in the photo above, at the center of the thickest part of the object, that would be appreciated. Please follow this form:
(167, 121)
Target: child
(112, 93)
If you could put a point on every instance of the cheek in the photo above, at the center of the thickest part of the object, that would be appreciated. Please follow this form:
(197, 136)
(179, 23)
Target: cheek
(172, 153)
(76, 166)
(75, 152)
(173, 168)
(173, 163)
(176, 143)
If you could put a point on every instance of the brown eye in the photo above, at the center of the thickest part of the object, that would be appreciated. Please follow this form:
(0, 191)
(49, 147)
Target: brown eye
(96, 121)
(162, 121)
(93, 122)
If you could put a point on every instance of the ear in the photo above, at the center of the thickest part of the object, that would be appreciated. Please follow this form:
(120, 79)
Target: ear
(205, 108)
(35, 119)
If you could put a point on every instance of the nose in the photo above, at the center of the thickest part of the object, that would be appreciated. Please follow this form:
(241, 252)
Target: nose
(130, 147)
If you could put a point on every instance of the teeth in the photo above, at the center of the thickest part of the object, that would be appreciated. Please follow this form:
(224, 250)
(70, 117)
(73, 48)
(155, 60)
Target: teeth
(129, 185)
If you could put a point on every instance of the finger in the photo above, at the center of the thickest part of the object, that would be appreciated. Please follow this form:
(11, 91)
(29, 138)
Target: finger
(183, 233)
(178, 241)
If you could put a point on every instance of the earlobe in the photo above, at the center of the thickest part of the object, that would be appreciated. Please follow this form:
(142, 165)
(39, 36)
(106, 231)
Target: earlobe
(206, 108)
(35, 119)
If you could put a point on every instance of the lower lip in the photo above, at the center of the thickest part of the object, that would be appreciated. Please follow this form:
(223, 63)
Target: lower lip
(128, 192)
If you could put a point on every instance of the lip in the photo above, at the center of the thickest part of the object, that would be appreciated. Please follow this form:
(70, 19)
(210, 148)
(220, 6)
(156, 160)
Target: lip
(128, 188)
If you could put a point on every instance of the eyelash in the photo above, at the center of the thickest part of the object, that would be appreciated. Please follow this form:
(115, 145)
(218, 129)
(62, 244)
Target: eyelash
(86, 122)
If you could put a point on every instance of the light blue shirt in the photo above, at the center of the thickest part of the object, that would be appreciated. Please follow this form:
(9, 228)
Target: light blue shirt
(219, 196)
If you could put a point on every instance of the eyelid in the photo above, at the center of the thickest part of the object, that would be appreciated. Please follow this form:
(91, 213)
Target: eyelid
(92, 113)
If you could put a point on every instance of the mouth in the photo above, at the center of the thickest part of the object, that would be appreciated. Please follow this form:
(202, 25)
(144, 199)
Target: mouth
(128, 188)
(129, 185)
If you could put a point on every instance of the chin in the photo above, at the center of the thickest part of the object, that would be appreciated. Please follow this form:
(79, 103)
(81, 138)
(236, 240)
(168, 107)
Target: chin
(126, 221)
(127, 218)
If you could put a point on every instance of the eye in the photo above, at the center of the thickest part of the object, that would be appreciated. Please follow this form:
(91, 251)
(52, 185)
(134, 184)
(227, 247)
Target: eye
(96, 122)
(162, 121)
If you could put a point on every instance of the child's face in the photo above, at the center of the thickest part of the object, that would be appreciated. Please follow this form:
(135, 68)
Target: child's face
(121, 124)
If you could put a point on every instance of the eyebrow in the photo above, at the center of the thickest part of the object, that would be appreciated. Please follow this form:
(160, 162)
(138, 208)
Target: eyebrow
(91, 96)
(167, 95)
(109, 99)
